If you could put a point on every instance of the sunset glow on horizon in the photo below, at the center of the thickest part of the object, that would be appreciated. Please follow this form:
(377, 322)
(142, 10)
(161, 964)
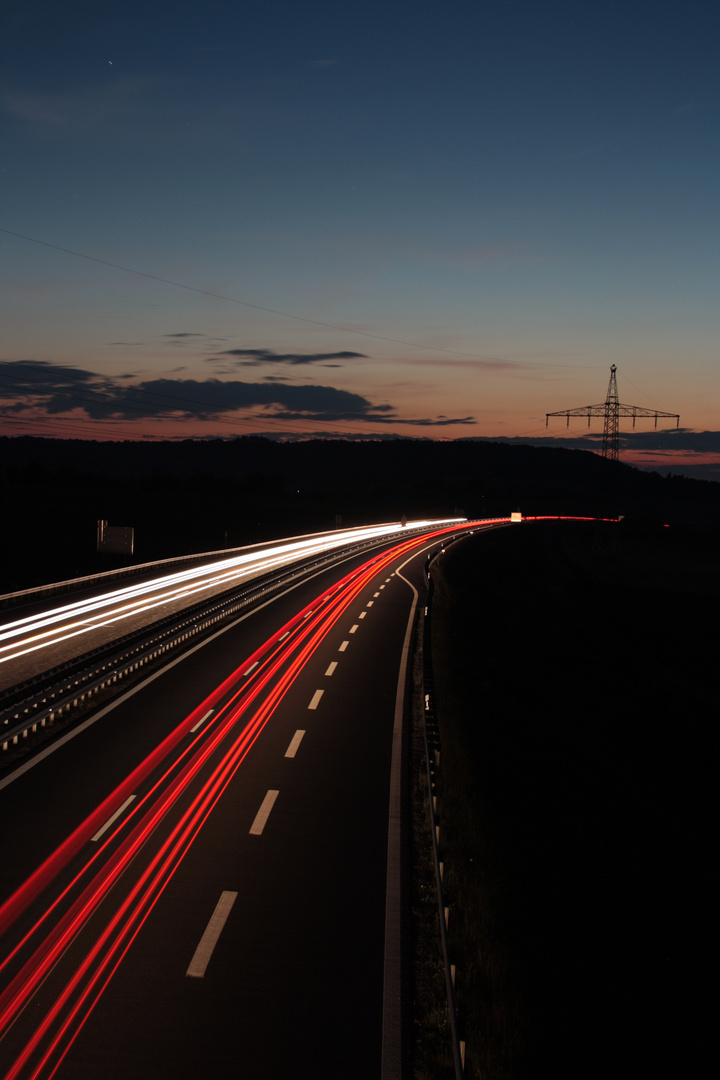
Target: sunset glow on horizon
(401, 221)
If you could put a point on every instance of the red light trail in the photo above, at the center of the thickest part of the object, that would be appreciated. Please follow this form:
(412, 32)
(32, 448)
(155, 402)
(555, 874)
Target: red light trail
(192, 782)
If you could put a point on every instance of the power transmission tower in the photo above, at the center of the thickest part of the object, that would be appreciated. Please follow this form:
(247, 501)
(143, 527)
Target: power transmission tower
(612, 410)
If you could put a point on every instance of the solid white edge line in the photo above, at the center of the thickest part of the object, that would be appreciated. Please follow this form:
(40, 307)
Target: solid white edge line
(213, 930)
(294, 743)
(200, 723)
(391, 1055)
(331, 667)
(316, 699)
(263, 813)
(111, 820)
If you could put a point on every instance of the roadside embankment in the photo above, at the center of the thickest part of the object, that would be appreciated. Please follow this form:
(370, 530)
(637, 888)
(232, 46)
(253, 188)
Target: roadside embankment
(575, 675)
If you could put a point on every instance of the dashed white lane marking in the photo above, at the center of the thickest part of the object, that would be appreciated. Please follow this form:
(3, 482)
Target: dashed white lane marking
(331, 668)
(353, 628)
(361, 616)
(382, 586)
(252, 667)
(377, 593)
(294, 743)
(200, 723)
(283, 636)
(308, 614)
(111, 820)
(370, 603)
(344, 646)
(263, 813)
(316, 699)
(209, 940)
(386, 580)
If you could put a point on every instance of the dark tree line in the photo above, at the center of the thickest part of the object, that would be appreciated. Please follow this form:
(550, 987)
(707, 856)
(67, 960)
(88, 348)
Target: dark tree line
(188, 496)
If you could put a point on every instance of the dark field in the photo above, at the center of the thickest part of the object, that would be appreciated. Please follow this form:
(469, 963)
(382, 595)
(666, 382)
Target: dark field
(576, 678)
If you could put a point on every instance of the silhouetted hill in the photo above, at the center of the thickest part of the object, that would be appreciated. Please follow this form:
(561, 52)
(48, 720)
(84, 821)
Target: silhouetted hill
(189, 496)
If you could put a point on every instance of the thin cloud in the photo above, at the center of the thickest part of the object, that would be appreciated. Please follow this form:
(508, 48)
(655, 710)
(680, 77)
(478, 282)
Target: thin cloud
(499, 365)
(702, 442)
(257, 357)
(672, 439)
(185, 339)
(440, 421)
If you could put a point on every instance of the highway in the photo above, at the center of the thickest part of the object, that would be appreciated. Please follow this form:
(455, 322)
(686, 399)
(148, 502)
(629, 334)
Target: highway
(202, 878)
(52, 633)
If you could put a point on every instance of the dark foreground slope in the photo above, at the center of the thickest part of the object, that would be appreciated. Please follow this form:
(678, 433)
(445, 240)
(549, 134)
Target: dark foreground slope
(577, 694)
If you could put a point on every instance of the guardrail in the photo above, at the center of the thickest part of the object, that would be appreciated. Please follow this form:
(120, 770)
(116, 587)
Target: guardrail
(43, 591)
(54, 694)
(432, 759)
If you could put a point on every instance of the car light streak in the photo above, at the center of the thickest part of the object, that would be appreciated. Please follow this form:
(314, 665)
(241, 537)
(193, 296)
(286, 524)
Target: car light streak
(19, 901)
(49, 869)
(25, 985)
(33, 632)
(231, 735)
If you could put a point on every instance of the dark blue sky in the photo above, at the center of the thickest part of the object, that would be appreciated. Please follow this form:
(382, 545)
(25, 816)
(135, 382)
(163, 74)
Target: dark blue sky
(518, 194)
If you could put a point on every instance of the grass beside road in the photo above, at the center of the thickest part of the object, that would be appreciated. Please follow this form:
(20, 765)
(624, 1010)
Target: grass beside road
(575, 679)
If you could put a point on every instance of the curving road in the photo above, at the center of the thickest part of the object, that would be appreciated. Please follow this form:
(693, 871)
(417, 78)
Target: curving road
(201, 880)
(49, 633)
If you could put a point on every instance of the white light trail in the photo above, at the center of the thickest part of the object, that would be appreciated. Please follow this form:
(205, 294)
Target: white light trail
(34, 632)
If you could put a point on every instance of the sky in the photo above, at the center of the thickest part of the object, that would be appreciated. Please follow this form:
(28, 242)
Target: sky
(431, 219)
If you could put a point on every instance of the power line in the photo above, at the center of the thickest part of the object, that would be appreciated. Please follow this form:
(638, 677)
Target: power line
(285, 314)
(612, 409)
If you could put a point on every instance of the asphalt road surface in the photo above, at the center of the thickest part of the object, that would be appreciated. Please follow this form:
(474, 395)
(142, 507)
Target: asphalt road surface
(46, 632)
(195, 884)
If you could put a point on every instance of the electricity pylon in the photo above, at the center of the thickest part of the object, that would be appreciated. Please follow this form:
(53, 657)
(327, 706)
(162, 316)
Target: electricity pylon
(612, 410)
